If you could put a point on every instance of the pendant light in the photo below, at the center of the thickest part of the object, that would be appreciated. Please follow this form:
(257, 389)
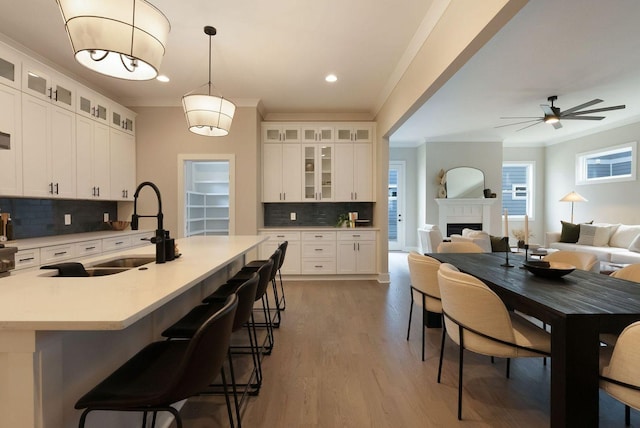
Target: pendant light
(119, 38)
(208, 114)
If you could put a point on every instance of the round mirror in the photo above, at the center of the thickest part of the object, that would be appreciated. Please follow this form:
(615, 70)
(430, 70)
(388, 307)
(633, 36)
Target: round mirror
(464, 182)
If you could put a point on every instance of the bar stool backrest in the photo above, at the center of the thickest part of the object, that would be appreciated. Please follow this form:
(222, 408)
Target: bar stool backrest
(283, 252)
(264, 272)
(246, 297)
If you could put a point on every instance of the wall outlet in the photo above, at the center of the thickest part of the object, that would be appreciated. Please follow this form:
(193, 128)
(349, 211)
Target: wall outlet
(67, 219)
(105, 217)
(293, 216)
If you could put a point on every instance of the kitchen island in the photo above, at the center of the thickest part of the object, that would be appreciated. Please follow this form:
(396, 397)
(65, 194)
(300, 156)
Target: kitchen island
(59, 336)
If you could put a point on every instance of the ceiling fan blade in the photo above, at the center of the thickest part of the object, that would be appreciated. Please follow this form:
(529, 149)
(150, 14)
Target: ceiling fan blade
(556, 125)
(582, 117)
(518, 123)
(548, 111)
(529, 126)
(581, 106)
(520, 117)
(596, 110)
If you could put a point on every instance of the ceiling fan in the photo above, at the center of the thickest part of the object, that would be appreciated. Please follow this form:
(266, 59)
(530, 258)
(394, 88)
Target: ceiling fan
(553, 114)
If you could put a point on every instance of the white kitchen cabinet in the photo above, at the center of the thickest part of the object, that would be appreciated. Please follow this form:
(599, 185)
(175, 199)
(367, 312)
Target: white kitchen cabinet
(92, 105)
(92, 148)
(88, 248)
(122, 118)
(354, 172)
(122, 164)
(318, 253)
(57, 253)
(280, 133)
(356, 252)
(291, 264)
(46, 84)
(318, 134)
(318, 172)
(10, 141)
(10, 67)
(281, 173)
(48, 149)
(362, 133)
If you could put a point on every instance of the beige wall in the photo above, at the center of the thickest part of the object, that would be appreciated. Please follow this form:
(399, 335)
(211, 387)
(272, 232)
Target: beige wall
(162, 136)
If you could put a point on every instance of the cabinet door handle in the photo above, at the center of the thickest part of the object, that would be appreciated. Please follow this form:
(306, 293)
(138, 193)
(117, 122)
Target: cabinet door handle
(55, 95)
(61, 253)
(354, 246)
(318, 249)
(50, 93)
(356, 194)
(51, 188)
(319, 266)
(119, 243)
(57, 188)
(26, 259)
(98, 191)
(317, 236)
(358, 246)
(279, 236)
(89, 248)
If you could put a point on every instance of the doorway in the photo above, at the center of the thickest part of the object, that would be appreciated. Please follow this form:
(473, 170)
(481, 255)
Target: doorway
(396, 205)
(206, 193)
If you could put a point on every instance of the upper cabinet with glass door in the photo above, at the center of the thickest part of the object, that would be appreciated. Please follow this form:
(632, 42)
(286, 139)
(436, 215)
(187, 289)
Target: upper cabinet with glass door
(92, 105)
(280, 133)
(357, 133)
(318, 172)
(123, 119)
(318, 134)
(10, 66)
(42, 82)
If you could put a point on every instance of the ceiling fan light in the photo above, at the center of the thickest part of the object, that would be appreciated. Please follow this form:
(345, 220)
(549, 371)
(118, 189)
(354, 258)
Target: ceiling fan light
(551, 119)
(120, 38)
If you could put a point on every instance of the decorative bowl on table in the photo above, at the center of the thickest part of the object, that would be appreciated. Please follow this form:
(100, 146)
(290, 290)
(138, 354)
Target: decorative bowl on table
(119, 224)
(548, 269)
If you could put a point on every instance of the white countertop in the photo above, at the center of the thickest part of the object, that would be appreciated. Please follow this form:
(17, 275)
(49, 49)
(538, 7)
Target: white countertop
(34, 300)
(313, 228)
(47, 241)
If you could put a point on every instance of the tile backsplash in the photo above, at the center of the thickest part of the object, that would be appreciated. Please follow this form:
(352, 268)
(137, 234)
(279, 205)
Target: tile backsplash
(313, 214)
(33, 218)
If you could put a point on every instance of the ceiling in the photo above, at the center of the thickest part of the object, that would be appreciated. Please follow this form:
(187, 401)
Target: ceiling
(278, 53)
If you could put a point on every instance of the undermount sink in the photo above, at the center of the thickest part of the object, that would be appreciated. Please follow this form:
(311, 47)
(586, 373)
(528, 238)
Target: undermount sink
(104, 271)
(125, 262)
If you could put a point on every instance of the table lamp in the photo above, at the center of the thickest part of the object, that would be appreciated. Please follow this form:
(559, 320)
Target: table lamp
(573, 197)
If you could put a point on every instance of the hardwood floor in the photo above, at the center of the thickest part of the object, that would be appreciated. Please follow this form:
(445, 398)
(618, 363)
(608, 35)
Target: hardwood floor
(341, 359)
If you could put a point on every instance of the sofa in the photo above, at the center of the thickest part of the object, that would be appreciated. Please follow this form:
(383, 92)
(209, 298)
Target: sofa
(430, 237)
(613, 243)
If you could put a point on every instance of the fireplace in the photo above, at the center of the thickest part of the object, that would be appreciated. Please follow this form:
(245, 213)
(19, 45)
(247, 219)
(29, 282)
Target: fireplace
(456, 214)
(456, 228)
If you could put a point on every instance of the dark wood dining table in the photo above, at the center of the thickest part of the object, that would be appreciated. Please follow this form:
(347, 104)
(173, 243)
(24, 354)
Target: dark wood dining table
(578, 307)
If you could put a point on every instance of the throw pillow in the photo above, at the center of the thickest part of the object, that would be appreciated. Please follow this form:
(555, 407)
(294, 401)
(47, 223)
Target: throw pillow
(597, 236)
(624, 235)
(478, 237)
(570, 232)
(635, 245)
(498, 244)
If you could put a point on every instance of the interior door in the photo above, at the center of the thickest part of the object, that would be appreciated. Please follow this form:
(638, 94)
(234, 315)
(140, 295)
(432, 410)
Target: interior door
(396, 206)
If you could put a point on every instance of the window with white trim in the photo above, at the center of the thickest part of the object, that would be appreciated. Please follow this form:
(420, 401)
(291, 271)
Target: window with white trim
(612, 164)
(517, 188)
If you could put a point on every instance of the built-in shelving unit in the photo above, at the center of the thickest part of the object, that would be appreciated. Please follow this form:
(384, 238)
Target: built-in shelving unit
(207, 201)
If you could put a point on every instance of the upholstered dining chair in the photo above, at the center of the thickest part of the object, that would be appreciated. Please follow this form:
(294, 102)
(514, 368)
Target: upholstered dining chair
(430, 237)
(477, 320)
(621, 377)
(425, 293)
(459, 247)
(580, 259)
(630, 273)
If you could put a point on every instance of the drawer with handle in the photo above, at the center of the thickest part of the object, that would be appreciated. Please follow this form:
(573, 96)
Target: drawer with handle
(27, 258)
(57, 253)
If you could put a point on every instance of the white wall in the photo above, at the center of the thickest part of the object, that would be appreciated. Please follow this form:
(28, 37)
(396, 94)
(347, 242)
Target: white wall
(607, 202)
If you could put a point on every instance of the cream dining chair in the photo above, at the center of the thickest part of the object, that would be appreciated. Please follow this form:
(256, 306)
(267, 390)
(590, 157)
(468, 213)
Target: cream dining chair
(425, 292)
(621, 377)
(476, 319)
(580, 259)
(459, 247)
(630, 273)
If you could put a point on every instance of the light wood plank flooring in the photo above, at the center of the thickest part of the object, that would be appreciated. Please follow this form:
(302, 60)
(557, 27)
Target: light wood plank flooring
(341, 359)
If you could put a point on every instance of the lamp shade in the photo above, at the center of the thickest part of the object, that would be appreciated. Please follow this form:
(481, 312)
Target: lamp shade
(573, 197)
(208, 115)
(119, 38)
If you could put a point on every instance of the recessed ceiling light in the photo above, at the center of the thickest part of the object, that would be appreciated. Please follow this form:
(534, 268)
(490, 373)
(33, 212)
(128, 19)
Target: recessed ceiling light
(331, 78)
(163, 78)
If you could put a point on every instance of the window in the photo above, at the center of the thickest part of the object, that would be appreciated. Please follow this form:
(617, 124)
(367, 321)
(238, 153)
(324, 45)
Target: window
(517, 188)
(612, 164)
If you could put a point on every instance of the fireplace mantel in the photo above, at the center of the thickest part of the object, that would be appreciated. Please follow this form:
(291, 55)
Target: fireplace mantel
(465, 210)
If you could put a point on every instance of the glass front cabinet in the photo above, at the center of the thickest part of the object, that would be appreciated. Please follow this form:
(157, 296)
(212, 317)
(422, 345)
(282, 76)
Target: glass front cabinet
(318, 172)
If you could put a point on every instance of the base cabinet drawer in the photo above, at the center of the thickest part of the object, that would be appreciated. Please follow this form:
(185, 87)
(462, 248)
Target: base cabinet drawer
(27, 258)
(319, 267)
(88, 248)
(57, 253)
(113, 244)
